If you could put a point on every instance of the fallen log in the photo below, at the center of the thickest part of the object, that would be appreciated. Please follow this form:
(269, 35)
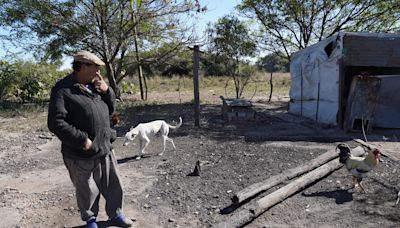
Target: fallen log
(370, 146)
(302, 182)
(257, 188)
(257, 137)
(253, 210)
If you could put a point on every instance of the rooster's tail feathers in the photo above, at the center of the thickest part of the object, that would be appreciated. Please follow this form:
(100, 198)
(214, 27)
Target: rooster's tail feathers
(345, 152)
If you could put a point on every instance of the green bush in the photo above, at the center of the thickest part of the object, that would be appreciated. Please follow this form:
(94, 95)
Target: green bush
(26, 81)
(127, 87)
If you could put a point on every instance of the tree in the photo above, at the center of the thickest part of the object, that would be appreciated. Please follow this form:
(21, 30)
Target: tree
(104, 27)
(287, 26)
(230, 38)
(271, 63)
(214, 63)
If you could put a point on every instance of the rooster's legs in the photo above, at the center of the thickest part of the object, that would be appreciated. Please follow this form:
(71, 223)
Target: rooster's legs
(356, 183)
(353, 183)
(362, 187)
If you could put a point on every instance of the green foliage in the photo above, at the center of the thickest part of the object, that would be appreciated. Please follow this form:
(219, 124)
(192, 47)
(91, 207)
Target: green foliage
(178, 62)
(214, 64)
(7, 75)
(231, 39)
(127, 87)
(111, 29)
(27, 81)
(245, 73)
(273, 63)
(287, 26)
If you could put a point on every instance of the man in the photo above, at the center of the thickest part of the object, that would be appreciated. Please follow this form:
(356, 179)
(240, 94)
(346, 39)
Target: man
(79, 115)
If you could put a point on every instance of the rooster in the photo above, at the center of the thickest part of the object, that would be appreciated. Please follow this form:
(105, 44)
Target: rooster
(358, 166)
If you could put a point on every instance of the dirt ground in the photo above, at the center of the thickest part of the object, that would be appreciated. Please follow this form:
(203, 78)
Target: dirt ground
(35, 189)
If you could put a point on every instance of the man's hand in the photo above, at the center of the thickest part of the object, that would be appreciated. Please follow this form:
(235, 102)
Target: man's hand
(88, 144)
(99, 84)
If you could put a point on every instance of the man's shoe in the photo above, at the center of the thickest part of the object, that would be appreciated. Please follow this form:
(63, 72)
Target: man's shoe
(122, 221)
(91, 223)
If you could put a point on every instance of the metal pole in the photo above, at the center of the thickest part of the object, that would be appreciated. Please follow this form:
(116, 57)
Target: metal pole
(196, 85)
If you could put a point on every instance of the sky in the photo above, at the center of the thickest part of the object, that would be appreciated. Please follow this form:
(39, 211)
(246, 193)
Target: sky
(215, 10)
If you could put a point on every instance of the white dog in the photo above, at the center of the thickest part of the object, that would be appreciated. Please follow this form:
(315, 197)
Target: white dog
(146, 130)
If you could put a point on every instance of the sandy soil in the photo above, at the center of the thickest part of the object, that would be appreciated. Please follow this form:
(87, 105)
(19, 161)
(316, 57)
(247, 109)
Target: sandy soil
(35, 189)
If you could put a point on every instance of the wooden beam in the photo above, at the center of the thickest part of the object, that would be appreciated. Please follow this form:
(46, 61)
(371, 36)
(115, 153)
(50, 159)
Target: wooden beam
(196, 85)
(301, 183)
(253, 210)
(254, 189)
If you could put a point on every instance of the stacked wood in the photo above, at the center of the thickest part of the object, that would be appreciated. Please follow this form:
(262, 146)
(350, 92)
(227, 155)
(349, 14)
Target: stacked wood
(325, 164)
(259, 187)
(253, 210)
(299, 184)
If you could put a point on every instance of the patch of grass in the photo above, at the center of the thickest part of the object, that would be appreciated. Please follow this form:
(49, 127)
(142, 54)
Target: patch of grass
(21, 118)
(222, 85)
(13, 109)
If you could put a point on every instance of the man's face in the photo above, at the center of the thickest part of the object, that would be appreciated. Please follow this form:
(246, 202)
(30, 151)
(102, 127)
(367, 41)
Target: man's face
(89, 71)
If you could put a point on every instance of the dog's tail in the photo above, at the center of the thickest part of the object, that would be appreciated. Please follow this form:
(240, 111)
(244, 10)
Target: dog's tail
(178, 125)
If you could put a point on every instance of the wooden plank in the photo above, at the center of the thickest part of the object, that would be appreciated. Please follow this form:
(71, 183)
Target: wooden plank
(253, 210)
(301, 183)
(257, 188)
(361, 103)
(196, 92)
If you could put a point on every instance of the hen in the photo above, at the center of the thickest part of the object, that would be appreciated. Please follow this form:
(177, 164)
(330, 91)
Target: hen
(358, 166)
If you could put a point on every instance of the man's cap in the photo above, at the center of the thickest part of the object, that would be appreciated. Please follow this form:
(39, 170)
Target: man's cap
(87, 57)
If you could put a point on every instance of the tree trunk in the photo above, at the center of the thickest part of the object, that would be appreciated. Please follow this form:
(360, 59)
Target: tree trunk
(145, 87)
(108, 61)
(271, 87)
(196, 93)
(111, 80)
(140, 71)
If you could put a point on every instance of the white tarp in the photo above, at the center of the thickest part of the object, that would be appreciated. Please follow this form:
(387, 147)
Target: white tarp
(314, 91)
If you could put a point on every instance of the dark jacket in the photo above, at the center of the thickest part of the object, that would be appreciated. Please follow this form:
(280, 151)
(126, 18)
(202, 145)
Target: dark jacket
(75, 114)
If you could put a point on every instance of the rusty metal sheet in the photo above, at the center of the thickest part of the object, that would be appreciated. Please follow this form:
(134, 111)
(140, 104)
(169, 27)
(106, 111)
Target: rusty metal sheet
(361, 103)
